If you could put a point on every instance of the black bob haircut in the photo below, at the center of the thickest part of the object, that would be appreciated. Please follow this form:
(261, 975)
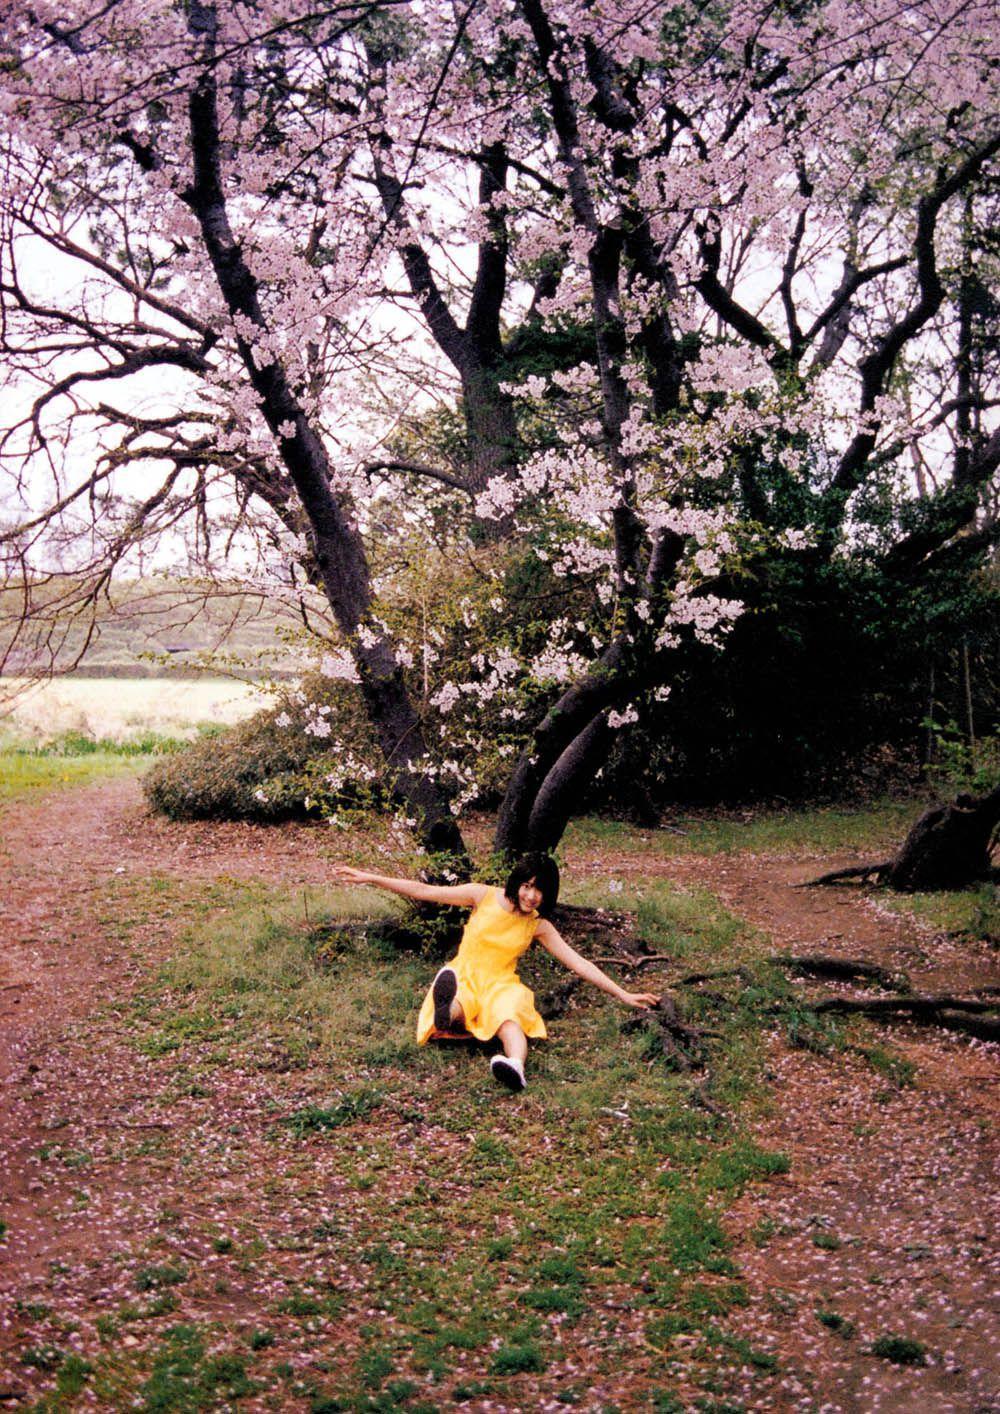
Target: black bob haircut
(545, 872)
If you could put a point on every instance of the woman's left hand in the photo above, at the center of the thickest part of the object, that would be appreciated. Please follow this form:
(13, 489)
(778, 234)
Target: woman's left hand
(642, 1001)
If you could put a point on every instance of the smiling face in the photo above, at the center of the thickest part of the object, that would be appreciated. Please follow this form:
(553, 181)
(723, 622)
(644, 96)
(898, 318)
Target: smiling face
(533, 885)
(529, 896)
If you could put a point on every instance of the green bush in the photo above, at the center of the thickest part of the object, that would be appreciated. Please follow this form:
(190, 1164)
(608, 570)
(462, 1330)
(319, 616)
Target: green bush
(271, 768)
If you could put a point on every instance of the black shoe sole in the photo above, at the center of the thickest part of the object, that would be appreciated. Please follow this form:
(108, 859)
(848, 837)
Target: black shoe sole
(505, 1073)
(444, 992)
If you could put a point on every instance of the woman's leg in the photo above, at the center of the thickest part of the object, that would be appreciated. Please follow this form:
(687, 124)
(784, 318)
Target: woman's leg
(509, 1068)
(513, 1040)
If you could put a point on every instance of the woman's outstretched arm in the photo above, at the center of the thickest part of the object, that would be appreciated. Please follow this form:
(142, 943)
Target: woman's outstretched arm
(557, 945)
(416, 889)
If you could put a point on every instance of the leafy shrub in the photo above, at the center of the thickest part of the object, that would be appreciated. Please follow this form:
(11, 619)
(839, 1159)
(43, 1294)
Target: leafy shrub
(273, 767)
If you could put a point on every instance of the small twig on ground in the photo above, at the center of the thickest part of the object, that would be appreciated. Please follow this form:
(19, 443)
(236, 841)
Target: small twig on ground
(124, 1124)
(12, 986)
(621, 960)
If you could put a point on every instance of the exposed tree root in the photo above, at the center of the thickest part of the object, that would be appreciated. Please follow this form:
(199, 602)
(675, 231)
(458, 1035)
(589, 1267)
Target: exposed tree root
(973, 1017)
(841, 969)
(865, 873)
(682, 1044)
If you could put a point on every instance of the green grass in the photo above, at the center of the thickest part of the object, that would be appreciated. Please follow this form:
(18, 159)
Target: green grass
(973, 914)
(561, 1210)
(836, 1323)
(900, 1350)
(824, 829)
(29, 765)
(74, 743)
(24, 774)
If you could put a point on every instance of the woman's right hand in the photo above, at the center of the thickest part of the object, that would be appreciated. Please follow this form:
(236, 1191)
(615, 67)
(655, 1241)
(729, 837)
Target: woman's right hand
(345, 874)
(640, 1001)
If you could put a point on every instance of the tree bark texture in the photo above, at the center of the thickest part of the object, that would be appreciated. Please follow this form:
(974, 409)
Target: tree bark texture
(339, 551)
(949, 847)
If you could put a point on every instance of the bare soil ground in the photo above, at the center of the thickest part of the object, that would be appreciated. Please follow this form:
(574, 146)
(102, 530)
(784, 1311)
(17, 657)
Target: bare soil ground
(886, 1222)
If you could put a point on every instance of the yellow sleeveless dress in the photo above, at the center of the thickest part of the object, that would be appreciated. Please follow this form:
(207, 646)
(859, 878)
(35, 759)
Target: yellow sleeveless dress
(489, 989)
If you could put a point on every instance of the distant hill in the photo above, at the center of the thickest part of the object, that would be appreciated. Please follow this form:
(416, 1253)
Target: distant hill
(147, 626)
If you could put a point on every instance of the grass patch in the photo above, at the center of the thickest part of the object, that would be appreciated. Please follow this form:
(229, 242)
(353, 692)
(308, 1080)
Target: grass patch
(155, 1278)
(824, 829)
(524, 1358)
(24, 774)
(687, 922)
(973, 914)
(900, 1350)
(246, 968)
(599, 1194)
(840, 1325)
(184, 1377)
(313, 1119)
(899, 1071)
(80, 743)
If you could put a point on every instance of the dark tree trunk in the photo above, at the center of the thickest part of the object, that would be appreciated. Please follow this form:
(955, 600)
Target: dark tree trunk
(607, 684)
(949, 847)
(338, 549)
(561, 794)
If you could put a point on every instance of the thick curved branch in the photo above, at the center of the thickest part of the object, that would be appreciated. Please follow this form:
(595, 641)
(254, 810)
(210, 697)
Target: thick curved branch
(170, 356)
(434, 473)
(877, 366)
(729, 310)
(608, 683)
(954, 509)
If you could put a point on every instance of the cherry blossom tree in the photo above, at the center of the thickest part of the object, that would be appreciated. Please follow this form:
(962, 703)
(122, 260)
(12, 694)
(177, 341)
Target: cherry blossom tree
(686, 282)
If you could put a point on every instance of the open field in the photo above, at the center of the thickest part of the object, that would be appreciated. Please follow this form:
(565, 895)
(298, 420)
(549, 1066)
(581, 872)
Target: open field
(234, 1181)
(119, 708)
(150, 621)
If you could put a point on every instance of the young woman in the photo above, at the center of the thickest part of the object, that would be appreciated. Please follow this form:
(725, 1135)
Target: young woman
(479, 992)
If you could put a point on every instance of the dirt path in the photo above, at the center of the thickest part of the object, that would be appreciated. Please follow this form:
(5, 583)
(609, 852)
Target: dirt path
(900, 1186)
(885, 1225)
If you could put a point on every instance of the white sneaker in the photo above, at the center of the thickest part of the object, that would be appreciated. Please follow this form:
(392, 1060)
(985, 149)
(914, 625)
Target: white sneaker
(508, 1072)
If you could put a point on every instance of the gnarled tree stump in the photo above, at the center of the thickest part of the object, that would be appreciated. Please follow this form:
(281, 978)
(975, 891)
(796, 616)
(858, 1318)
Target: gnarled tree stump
(950, 847)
